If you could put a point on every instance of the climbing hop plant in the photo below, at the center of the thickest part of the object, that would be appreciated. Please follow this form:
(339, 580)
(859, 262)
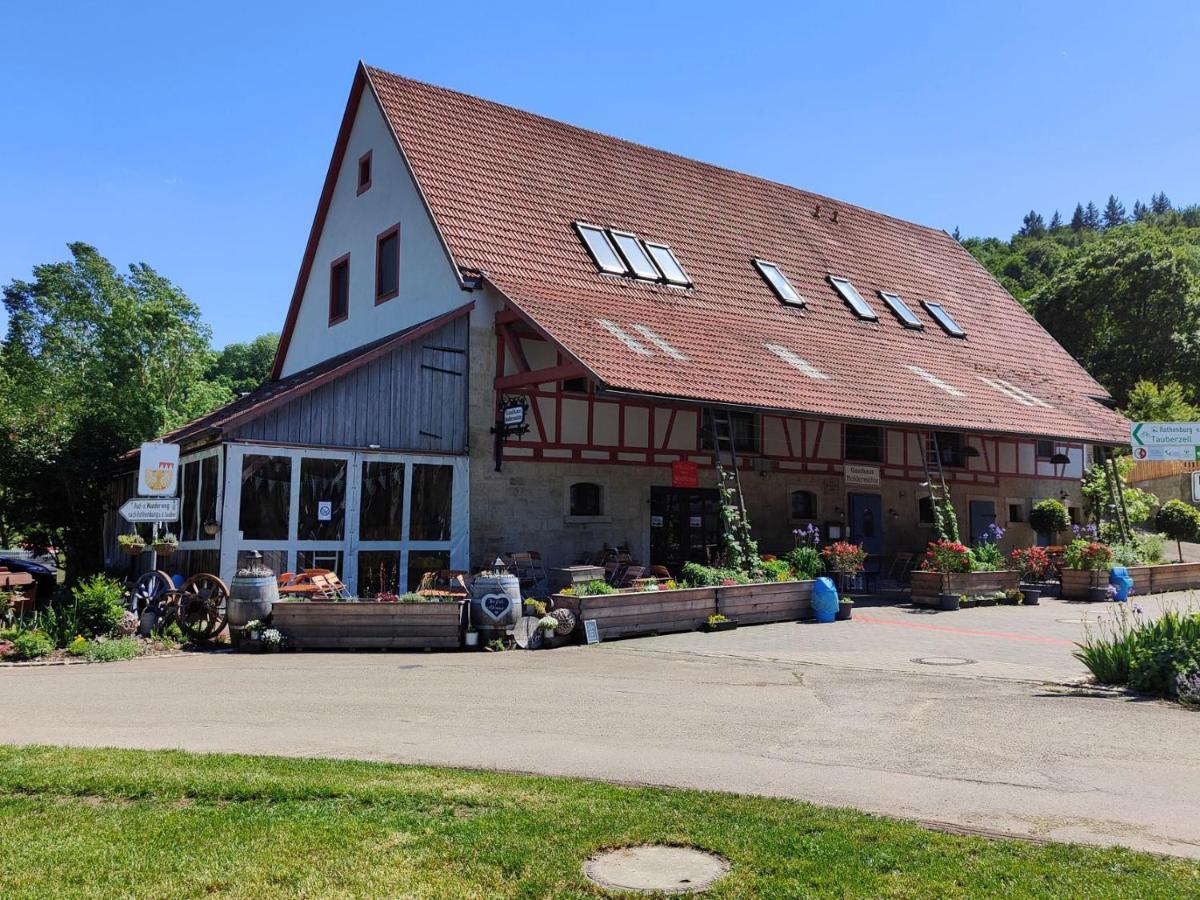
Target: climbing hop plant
(741, 550)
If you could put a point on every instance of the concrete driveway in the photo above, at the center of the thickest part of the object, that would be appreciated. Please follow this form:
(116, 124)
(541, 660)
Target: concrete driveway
(834, 714)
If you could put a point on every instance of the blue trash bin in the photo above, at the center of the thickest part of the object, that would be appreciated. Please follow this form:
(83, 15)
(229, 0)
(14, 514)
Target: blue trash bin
(825, 600)
(1119, 578)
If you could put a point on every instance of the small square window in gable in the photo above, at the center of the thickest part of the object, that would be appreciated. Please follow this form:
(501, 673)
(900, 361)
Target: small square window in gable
(364, 172)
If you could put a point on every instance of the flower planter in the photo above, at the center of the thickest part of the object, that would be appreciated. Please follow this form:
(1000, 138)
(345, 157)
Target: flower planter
(646, 612)
(927, 587)
(1031, 594)
(949, 602)
(772, 601)
(338, 624)
(1076, 583)
(1170, 577)
(164, 549)
(133, 549)
(1097, 594)
(845, 612)
(727, 625)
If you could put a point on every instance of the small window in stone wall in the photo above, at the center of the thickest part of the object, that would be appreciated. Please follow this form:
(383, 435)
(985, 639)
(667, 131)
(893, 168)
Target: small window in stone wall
(925, 511)
(586, 499)
(804, 505)
(1016, 511)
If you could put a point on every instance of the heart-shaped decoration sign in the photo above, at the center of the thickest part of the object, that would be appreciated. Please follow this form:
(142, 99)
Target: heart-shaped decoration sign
(496, 605)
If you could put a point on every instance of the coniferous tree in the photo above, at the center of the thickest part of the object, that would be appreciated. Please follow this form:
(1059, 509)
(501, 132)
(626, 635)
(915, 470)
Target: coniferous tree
(1091, 217)
(1159, 203)
(1033, 225)
(1140, 210)
(1055, 221)
(1114, 212)
(1077, 223)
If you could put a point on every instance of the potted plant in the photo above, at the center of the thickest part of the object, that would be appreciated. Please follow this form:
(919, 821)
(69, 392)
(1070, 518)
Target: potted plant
(471, 639)
(1012, 597)
(949, 602)
(133, 544)
(1049, 517)
(1094, 558)
(845, 609)
(1031, 564)
(845, 559)
(718, 622)
(165, 544)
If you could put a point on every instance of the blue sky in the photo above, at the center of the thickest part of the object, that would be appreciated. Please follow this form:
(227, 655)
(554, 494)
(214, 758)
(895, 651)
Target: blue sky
(195, 137)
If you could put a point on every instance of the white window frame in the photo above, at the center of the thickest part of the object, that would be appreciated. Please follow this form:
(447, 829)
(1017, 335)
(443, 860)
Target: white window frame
(765, 267)
(651, 246)
(905, 313)
(653, 274)
(176, 528)
(857, 302)
(232, 541)
(942, 316)
(581, 228)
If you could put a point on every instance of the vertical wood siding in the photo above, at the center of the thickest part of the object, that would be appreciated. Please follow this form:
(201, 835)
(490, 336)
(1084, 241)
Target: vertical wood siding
(414, 398)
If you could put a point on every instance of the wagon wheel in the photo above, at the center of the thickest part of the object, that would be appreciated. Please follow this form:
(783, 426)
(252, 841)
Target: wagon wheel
(201, 609)
(149, 591)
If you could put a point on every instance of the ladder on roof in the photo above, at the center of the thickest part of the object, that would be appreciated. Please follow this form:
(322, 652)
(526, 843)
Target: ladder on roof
(720, 425)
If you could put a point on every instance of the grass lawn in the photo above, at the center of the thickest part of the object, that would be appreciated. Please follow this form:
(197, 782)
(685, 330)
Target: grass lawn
(110, 823)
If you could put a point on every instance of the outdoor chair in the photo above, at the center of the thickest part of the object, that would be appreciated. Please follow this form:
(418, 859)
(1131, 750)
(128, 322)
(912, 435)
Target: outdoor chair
(24, 589)
(629, 576)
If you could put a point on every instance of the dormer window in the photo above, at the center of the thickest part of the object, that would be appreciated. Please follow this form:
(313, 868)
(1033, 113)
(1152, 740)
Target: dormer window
(604, 255)
(364, 171)
(853, 298)
(635, 255)
(779, 284)
(944, 319)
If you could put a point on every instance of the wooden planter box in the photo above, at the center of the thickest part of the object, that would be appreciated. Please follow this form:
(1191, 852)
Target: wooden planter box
(1076, 582)
(1171, 577)
(648, 612)
(927, 587)
(773, 601)
(406, 626)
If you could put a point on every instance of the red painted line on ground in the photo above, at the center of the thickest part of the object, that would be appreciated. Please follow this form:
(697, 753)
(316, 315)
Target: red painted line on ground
(1004, 635)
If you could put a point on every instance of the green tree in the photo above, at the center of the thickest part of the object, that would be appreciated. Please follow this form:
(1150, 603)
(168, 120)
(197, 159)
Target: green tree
(1140, 211)
(1128, 308)
(241, 368)
(1159, 204)
(1180, 522)
(1091, 217)
(1114, 212)
(1149, 402)
(97, 361)
(1056, 221)
(1049, 517)
(1098, 496)
(1033, 225)
(1077, 220)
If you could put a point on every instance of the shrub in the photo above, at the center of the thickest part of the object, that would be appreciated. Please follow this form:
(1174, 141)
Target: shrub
(947, 556)
(1110, 655)
(696, 575)
(111, 651)
(986, 557)
(1180, 522)
(1156, 668)
(594, 588)
(99, 605)
(1091, 557)
(78, 647)
(411, 597)
(845, 557)
(805, 562)
(1031, 562)
(32, 645)
(1049, 517)
(776, 570)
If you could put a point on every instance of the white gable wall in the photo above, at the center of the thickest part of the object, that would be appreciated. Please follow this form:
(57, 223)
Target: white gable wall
(428, 284)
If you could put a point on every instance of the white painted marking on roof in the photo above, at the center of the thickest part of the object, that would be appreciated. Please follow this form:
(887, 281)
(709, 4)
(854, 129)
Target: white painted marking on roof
(937, 382)
(1021, 392)
(659, 342)
(625, 339)
(796, 362)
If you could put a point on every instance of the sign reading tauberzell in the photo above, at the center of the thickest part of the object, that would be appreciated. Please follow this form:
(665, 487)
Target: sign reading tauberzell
(151, 509)
(1165, 440)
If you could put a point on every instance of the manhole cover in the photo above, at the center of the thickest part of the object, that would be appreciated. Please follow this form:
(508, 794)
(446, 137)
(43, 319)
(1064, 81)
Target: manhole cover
(669, 870)
(944, 661)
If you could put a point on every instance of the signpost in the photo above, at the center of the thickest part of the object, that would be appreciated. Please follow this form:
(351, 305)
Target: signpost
(1165, 440)
(150, 509)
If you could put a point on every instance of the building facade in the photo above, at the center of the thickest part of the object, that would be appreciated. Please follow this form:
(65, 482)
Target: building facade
(467, 257)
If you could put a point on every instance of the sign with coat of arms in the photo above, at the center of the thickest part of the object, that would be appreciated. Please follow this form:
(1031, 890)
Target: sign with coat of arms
(158, 470)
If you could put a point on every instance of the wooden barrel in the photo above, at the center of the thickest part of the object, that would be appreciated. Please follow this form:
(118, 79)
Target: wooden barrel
(251, 597)
(495, 604)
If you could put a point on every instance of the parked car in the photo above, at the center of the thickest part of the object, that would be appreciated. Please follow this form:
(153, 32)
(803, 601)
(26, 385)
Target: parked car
(44, 576)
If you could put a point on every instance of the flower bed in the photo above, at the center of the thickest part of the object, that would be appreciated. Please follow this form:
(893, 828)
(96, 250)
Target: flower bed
(333, 624)
(927, 587)
(645, 612)
(1146, 579)
(771, 601)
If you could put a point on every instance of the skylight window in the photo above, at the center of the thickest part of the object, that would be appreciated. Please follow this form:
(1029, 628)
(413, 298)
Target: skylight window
(906, 316)
(944, 319)
(671, 269)
(601, 249)
(861, 307)
(779, 283)
(635, 255)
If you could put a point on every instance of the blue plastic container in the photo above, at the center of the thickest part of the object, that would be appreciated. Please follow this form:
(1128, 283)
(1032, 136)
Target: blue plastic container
(1119, 577)
(825, 600)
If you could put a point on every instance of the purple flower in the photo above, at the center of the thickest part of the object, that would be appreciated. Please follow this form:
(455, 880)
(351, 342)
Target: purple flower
(1137, 609)
(993, 533)
(1085, 532)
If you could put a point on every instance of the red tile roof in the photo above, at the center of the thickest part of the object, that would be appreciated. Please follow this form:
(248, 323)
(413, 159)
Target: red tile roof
(505, 186)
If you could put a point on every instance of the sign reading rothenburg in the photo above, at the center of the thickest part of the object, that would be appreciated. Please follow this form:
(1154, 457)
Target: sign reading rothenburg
(1165, 440)
(151, 509)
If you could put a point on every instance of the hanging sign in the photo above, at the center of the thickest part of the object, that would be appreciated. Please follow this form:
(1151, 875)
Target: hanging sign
(685, 474)
(158, 469)
(656, 521)
(863, 476)
(150, 509)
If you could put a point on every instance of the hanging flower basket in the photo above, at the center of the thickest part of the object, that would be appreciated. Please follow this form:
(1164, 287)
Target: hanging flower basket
(164, 548)
(132, 544)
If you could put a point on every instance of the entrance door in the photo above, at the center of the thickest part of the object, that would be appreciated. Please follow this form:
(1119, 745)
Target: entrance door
(684, 526)
(866, 521)
(983, 514)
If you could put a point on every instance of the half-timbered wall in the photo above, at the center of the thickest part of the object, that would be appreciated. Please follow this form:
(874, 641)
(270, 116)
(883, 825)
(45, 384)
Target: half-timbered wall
(413, 398)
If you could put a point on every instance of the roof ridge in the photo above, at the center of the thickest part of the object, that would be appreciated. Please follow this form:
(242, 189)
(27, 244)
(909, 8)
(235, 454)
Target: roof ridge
(690, 160)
